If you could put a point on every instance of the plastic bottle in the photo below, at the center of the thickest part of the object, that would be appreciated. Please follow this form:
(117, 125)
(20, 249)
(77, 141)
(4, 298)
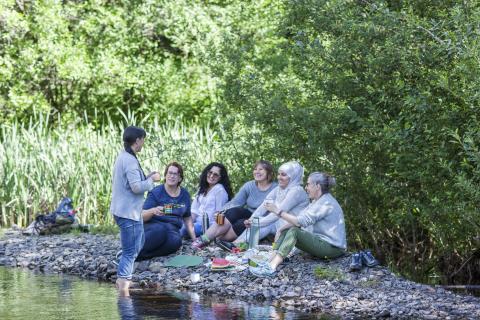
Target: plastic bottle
(254, 233)
(205, 222)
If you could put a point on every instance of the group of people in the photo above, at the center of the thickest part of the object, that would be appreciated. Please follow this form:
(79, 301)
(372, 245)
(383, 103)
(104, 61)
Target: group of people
(309, 219)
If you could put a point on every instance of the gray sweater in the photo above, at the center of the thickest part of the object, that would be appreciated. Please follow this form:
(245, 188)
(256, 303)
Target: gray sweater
(249, 196)
(128, 187)
(324, 217)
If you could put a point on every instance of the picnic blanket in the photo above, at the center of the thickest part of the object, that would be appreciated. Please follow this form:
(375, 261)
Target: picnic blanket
(184, 261)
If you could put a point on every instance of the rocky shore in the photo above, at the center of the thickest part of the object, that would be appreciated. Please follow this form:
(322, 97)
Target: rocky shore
(302, 284)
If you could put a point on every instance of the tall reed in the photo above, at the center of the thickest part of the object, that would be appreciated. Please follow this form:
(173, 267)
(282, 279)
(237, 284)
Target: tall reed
(40, 164)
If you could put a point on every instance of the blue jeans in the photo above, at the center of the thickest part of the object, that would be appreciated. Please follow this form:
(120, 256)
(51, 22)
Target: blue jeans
(197, 226)
(132, 239)
(161, 239)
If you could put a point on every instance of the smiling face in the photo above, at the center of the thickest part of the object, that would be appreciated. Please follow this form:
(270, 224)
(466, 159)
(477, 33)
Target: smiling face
(283, 179)
(260, 174)
(172, 177)
(213, 176)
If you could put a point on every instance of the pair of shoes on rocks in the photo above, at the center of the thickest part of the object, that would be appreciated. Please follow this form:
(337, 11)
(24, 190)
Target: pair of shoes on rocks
(225, 245)
(263, 270)
(200, 243)
(362, 258)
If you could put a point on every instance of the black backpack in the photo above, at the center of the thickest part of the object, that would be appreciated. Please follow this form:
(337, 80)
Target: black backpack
(57, 221)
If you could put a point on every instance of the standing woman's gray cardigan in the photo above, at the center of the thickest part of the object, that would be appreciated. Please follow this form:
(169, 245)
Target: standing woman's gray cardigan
(128, 187)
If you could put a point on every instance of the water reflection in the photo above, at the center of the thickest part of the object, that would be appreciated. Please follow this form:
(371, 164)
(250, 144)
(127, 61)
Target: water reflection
(143, 305)
(25, 295)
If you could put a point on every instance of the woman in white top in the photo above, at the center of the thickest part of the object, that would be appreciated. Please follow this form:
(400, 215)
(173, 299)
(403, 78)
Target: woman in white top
(288, 196)
(241, 207)
(213, 192)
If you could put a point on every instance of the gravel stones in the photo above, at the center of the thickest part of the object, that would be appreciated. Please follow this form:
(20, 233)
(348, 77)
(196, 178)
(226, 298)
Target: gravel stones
(370, 293)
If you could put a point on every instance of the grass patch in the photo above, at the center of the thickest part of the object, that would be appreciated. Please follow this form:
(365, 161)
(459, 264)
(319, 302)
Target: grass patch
(369, 283)
(329, 273)
(105, 229)
(75, 231)
(78, 162)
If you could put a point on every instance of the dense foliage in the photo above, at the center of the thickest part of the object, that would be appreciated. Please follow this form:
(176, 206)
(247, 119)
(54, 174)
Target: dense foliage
(92, 58)
(383, 94)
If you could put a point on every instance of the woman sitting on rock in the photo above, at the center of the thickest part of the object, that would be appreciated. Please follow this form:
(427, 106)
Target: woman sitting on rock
(288, 196)
(324, 217)
(214, 191)
(240, 208)
(166, 208)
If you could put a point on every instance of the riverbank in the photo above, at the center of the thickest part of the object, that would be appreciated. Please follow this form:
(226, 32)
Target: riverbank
(373, 292)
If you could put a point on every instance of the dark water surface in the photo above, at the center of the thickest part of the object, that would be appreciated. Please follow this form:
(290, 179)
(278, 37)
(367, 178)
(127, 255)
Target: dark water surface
(25, 295)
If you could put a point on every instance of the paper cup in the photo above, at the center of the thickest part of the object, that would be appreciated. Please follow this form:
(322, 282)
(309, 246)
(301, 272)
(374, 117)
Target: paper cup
(195, 277)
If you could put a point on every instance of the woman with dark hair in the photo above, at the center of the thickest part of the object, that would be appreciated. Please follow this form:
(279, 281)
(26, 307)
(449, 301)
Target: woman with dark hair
(213, 192)
(318, 230)
(250, 196)
(164, 210)
(129, 184)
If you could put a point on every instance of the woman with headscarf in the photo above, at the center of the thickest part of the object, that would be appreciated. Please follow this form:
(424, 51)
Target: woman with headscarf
(288, 196)
(318, 230)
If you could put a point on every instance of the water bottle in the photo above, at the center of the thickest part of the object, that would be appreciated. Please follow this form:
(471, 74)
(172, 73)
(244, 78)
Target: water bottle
(205, 223)
(254, 233)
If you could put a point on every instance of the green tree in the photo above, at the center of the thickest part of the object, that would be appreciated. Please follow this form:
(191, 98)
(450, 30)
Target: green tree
(384, 96)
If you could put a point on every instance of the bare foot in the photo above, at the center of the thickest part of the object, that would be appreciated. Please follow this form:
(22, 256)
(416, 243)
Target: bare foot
(122, 286)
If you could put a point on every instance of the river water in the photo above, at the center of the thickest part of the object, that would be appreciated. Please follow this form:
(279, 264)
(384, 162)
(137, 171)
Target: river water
(25, 295)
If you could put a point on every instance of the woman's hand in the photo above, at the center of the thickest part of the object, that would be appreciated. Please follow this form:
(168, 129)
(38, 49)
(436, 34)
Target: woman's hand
(247, 223)
(155, 176)
(149, 213)
(158, 211)
(271, 207)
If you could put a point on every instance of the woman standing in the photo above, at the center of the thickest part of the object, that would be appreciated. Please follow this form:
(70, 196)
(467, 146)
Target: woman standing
(166, 208)
(240, 208)
(129, 184)
(214, 191)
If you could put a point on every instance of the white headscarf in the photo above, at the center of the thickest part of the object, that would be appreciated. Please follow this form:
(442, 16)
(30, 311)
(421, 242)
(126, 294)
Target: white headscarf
(294, 171)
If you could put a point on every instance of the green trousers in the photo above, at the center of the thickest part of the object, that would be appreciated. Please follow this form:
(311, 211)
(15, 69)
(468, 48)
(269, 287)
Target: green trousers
(306, 241)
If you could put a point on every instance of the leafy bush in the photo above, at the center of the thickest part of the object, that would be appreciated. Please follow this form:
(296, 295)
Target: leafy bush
(386, 98)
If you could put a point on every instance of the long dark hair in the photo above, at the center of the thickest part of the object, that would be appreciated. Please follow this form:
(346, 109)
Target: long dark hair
(130, 136)
(224, 180)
